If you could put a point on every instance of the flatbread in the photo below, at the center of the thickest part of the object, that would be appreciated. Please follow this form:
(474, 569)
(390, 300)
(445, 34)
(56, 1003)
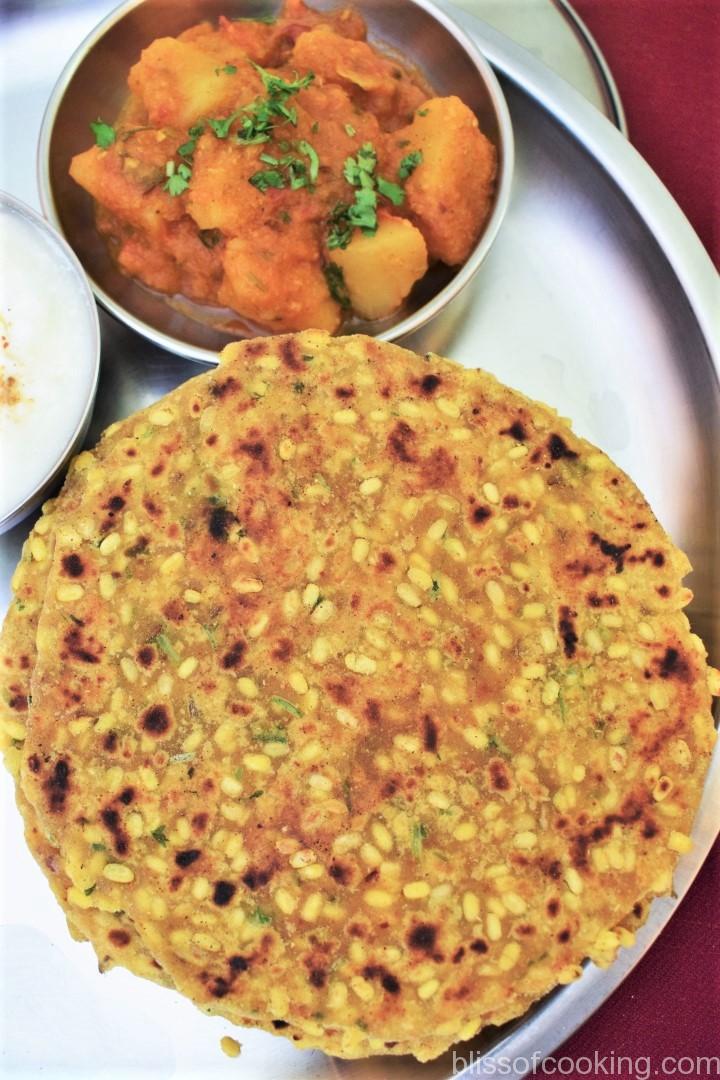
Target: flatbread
(374, 681)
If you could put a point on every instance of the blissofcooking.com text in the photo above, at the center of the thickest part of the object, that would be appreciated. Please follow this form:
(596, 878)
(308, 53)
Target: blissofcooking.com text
(597, 1065)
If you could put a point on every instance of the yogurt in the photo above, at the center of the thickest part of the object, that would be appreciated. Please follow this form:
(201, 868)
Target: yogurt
(49, 344)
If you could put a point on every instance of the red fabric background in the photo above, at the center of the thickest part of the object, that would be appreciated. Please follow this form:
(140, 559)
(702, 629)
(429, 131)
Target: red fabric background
(665, 58)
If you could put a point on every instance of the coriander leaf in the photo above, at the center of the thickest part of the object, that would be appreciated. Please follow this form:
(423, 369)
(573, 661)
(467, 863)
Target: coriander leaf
(310, 153)
(298, 387)
(269, 20)
(350, 130)
(91, 890)
(277, 87)
(259, 916)
(229, 69)
(276, 734)
(98, 847)
(256, 794)
(419, 833)
(163, 642)
(104, 133)
(409, 164)
(159, 835)
(423, 112)
(176, 184)
(221, 127)
(283, 703)
(267, 178)
(336, 284)
(363, 211)
(391, 191)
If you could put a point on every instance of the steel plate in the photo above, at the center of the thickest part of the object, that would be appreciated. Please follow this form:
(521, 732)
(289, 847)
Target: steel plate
(598, 298)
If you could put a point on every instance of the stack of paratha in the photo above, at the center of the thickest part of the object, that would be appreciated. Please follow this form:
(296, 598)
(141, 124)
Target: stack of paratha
(350, 693)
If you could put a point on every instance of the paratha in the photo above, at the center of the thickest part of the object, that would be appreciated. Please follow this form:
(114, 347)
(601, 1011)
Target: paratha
(373, 682)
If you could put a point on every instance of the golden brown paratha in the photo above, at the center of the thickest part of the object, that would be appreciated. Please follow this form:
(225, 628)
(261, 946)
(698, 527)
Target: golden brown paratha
(373, 681)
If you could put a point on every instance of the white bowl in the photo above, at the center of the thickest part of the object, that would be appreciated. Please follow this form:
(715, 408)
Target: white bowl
(50, 358)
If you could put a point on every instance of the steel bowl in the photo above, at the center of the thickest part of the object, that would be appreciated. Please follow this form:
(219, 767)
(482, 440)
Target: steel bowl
(94, 83)
(77, 421)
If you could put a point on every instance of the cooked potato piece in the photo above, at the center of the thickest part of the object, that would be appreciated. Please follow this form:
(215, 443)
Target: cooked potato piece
(448, 194)
(177, 83)
(105, 175)
(380, 270)
(278, 281)
(220, 196)
(353, 64)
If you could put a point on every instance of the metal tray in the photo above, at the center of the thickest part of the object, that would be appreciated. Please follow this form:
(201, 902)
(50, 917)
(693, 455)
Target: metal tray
(597, 298)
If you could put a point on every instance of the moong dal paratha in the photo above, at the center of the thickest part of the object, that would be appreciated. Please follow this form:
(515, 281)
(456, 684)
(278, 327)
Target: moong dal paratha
(374, 683)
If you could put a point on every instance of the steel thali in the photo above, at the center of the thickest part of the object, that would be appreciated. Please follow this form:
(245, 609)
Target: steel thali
(597, 298)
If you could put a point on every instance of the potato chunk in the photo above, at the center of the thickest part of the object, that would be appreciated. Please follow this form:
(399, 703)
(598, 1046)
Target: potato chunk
(104, 174)
(177, 83)
(371, 79)
(381, 270)
(448, 195)
(278, 281)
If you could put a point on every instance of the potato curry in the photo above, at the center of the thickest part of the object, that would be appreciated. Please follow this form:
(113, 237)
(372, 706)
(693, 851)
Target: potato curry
(286, 169)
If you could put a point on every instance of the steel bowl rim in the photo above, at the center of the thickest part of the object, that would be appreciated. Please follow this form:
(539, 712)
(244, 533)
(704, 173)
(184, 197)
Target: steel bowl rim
(433, 307)
(27, 504)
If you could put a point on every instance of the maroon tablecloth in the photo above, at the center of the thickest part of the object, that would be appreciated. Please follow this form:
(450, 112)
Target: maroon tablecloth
(665, 57)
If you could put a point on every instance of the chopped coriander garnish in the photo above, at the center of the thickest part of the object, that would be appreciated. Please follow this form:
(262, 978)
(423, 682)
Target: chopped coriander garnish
(336, 284)
(276, 734)
(419, 833)
(269, 20)
(298, 387)
(105, 134)
(228, 69)
(221, 128)
(288, 706)
(409, 164)
(91, 890)
(350, 130)
(267, 178)
(98, 847)
(210, 629)
(423, 112)
(435, 589)
(391, 191)
(260, 119)
(359, 171)
(256, 794)
(176, 184)
(163, 642)
(259, 916)
(159, 835)
(289, 170)
(285, 217)
(310, 153)
(315, 127)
